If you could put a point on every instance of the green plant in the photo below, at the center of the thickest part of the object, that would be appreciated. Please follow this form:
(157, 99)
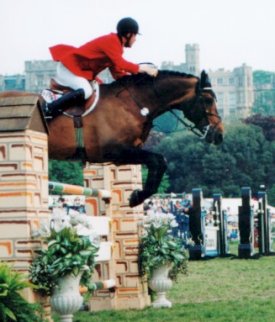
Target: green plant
(159, 247)
(13, 307)
(67, 253)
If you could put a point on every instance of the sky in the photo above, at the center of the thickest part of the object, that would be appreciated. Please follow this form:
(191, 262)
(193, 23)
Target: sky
(228, 32)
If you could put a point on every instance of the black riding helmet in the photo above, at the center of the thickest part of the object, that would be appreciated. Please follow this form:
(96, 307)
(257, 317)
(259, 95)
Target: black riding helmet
(127, 26)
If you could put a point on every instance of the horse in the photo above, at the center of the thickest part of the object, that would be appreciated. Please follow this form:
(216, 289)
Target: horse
(121, 121)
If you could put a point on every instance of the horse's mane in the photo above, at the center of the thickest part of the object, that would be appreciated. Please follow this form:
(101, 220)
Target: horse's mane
(146, 79)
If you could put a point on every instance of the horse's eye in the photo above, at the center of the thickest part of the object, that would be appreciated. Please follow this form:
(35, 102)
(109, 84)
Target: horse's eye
(209, 100)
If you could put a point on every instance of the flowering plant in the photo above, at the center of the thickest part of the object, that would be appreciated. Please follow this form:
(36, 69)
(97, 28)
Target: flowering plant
(158, 246)
(72, 247)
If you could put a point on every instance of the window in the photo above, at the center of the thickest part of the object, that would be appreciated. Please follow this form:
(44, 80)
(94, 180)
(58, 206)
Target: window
(232, 98)
(40, 79)
(219, 81)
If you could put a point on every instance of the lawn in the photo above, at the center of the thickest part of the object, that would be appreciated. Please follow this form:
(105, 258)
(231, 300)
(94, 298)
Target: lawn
(220, 289)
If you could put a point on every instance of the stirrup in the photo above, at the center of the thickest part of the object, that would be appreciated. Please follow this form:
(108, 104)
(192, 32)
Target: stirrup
(49, 114)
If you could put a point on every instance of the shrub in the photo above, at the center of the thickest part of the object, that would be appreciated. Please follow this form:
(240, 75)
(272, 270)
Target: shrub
(13, 307)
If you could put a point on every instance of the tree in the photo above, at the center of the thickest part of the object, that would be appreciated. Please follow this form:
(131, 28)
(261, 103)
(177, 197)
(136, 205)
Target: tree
(66, 172)
(271, 195)
(245, 158)
(266, 123)
(165, 182)
(263, 82)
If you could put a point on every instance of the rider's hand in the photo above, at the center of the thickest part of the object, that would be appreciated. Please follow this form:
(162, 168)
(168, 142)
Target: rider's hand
(148, 69)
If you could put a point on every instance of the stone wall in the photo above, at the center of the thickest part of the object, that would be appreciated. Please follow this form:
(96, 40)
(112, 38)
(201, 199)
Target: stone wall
(23, 194)
(23, 197)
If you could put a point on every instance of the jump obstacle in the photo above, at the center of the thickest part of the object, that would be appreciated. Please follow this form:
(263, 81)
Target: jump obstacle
(254, 226)
(207, 240)
(24, 190)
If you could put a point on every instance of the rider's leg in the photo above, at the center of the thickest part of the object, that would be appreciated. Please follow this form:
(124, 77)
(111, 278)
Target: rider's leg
(65, 101)
(67, 78)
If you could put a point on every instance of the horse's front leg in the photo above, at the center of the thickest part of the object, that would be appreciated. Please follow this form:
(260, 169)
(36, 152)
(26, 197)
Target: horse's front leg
(156, 166)
(155, 163)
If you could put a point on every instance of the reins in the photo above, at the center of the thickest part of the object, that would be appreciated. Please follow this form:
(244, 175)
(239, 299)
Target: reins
(193, 128)
(189, 127)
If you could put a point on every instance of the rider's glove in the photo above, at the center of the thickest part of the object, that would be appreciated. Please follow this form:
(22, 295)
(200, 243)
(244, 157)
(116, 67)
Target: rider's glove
(148, 69)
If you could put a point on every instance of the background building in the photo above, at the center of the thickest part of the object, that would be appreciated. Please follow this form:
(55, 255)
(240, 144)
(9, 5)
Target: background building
(234, 90)
(39, 74)
(12, 82)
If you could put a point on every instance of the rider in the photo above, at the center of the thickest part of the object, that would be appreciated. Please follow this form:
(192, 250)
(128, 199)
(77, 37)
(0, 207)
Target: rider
(77, 66)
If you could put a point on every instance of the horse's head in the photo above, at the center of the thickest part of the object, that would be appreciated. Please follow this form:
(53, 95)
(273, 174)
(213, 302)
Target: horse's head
(174, 90)
(203, 112)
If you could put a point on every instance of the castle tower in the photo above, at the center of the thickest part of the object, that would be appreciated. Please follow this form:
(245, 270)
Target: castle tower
(192, 55)
(244, 90)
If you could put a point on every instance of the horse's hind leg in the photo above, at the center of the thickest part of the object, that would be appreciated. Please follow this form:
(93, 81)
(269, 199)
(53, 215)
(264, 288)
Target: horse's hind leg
(155, 163)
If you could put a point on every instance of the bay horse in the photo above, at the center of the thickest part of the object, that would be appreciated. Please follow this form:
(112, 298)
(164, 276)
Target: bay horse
(123, 117)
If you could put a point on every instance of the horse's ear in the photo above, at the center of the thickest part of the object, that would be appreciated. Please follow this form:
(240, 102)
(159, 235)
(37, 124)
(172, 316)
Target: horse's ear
(205, 81)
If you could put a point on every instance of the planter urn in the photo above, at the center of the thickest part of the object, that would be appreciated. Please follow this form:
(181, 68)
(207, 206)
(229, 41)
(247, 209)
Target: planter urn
(66, 298)
(161, 283)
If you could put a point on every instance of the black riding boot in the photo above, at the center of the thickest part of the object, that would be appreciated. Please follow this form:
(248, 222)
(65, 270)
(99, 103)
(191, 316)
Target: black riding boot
(57, 107)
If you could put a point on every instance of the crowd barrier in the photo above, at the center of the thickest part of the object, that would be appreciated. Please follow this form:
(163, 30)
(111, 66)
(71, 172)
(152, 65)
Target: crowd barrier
(207, 240)
(254, 225)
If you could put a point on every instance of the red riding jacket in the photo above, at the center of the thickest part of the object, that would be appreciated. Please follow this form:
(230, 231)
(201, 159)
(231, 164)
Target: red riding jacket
(94, 56)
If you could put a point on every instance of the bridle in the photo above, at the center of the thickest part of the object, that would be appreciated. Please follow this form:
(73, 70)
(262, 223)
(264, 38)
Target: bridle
(201, 133)
(190, 127)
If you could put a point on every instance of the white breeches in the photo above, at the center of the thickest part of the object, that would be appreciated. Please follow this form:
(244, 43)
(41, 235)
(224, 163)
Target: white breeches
(67, 78)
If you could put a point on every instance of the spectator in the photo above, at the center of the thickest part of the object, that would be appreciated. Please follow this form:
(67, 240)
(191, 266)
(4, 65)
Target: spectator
(178, 206)
(78, 206)
(185, 203)
(61, 203)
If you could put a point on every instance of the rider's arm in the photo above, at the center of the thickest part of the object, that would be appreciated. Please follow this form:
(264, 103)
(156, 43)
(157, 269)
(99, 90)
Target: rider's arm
(113, 49)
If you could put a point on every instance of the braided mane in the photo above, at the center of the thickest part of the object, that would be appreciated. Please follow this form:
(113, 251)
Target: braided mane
(145, 79)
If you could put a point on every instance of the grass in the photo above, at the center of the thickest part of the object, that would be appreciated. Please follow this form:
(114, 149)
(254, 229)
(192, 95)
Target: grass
(220, 289)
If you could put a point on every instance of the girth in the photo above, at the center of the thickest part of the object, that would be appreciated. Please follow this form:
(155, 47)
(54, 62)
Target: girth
(80, 151)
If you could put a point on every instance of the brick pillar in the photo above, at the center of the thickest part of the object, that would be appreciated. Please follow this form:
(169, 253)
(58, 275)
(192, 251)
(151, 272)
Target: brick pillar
(23, 195)
(131, 291)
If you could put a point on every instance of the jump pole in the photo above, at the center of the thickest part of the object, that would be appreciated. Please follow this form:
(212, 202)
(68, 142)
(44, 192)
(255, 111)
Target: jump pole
(69, 189)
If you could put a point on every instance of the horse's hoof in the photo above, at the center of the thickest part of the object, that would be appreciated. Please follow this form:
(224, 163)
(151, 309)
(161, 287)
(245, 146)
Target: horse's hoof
(136, 198)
